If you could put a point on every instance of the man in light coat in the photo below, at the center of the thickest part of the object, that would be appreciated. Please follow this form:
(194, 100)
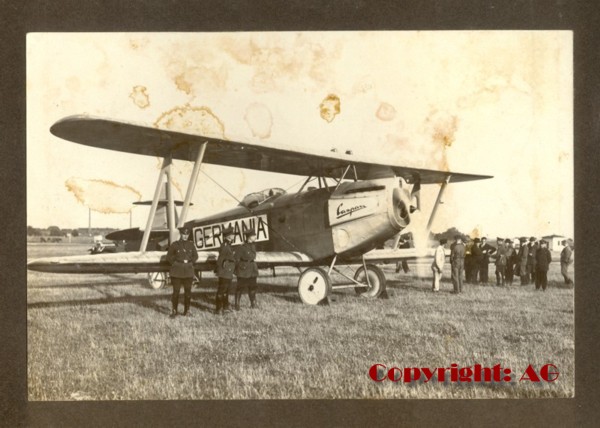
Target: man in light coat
(437, 266)
(566, 259)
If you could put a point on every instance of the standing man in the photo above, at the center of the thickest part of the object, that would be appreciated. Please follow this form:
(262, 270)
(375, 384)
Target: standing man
(510, 261)
(437, 266)
(225, 269)
(476, 260)
(531, 259)
(543, 259)
(457, 261)
(181, 256)
(501, 262)
(523, 257)
(468, 260)
(566, 259)
(486, 250)
(246, 269)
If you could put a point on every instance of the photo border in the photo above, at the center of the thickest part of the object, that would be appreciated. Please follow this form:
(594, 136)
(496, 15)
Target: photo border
(209, 16)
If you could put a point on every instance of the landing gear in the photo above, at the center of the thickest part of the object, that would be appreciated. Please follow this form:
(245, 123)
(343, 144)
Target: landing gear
(375, 283)
(313, 286)
(197, 279)
(157, 280)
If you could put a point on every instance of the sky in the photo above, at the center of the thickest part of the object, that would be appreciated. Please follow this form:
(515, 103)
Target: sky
(486, 102)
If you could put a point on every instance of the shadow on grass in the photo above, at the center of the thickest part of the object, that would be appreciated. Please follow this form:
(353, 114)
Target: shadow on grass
(133, 282)
(148, 302)
(203, 300)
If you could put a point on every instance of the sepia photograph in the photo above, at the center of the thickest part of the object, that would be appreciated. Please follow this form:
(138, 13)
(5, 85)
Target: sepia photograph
(300, 215)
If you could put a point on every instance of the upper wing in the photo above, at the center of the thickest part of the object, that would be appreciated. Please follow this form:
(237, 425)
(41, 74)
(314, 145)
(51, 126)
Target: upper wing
(127, 137)
(152, 261)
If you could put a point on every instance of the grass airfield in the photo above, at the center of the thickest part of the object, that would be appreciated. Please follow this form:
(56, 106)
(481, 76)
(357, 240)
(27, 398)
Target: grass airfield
(108, 337)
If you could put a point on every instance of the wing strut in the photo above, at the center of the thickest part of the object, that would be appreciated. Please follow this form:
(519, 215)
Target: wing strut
(152, 214)
(437, 201)
(170, 202)
(192, 183)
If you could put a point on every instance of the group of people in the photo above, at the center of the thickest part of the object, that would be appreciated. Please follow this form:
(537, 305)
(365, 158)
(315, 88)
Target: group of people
(528, 260)
(239, 262)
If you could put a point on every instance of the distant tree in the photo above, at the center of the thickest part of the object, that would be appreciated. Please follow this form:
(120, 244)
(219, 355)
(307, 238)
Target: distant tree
(33, 231)
(75, 233)
(449, 234)
(55, 231)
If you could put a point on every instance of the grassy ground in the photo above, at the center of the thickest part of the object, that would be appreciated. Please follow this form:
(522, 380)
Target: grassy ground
(107, 337)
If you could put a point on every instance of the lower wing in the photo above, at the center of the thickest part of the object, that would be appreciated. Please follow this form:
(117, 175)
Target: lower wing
(153, 261)
(394, 255)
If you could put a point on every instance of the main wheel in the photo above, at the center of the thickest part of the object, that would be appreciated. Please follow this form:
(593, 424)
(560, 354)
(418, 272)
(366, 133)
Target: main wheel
(376, 284)
(157, 280)
(313, 286)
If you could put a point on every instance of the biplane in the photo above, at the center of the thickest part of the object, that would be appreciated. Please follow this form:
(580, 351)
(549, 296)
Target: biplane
(353, 206)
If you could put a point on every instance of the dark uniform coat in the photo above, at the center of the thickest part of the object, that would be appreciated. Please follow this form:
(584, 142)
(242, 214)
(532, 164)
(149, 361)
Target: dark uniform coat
(226, 261)
(476, 254)
(543, 259)
(181, 256)
(487, 250)
(245, 255)
(532, 250)
(502, 256)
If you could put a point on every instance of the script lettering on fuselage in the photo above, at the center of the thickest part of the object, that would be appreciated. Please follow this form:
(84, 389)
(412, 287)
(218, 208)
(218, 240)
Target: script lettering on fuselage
(210, 236)
(342, 210)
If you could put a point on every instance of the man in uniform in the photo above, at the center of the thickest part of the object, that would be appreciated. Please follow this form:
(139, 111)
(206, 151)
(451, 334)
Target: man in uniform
(543, 259)
(566, 259)
(224, 270)
(523, 257)
(486, 251)
(246, 269)
(437, 266)
(457, 261)
(181, 256)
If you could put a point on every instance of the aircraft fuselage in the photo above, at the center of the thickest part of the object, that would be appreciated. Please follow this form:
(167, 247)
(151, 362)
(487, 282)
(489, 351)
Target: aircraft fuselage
(347, 221)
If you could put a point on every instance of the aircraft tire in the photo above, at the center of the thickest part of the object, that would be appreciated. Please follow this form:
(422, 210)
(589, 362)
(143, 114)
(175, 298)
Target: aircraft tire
(157, 280)
(313, 286)
(376, 279)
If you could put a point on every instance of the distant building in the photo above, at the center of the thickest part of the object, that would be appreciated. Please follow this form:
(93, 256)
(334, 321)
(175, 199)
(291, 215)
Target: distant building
(554, 242)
